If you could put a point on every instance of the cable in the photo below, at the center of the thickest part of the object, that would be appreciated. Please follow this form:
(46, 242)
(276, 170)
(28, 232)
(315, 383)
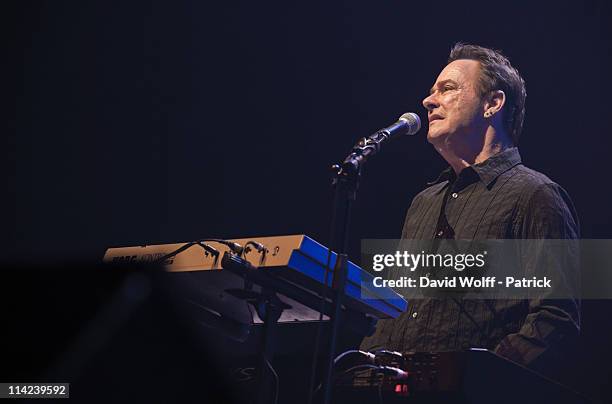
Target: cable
(370, 356)
(357, 368)
(211, 250)
(386, 352)
(397, 373)
(235, 247)
(258, 246)
(276, 381)
(175, 252)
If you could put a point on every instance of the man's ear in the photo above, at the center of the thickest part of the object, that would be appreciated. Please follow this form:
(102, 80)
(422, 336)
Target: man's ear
(494, 102)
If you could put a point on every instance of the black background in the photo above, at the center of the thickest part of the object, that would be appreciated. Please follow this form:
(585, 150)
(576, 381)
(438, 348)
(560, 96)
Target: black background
(156, 122)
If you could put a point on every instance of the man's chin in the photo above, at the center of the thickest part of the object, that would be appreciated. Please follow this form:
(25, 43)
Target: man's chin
(435, 137)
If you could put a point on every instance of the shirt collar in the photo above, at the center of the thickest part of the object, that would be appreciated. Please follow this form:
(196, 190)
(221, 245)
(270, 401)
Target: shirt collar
(488, 170)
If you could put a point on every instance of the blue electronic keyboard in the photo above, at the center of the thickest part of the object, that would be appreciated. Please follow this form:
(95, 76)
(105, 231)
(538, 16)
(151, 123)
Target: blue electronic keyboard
(296, 263)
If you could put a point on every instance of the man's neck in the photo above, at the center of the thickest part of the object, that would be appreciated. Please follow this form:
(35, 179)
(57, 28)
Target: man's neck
(460, 158)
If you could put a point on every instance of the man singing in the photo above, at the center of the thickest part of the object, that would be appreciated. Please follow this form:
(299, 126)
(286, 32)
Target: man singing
(476, 109)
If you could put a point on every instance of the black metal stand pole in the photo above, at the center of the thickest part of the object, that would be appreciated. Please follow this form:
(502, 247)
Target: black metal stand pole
(345, 183)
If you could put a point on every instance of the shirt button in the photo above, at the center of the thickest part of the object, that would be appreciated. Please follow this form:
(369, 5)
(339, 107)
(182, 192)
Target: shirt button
(440, 233)
(455, 195)
(415, 314)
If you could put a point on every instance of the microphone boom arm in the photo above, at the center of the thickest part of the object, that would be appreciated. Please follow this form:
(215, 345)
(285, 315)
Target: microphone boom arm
(366, 147)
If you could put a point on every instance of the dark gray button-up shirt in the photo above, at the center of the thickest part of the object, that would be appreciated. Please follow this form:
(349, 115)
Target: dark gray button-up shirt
(499, 198)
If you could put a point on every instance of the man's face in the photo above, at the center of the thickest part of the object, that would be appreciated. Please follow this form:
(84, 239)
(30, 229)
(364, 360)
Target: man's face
(454, 105)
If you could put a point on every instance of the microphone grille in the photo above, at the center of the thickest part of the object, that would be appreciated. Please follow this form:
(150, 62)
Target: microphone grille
(413, 121)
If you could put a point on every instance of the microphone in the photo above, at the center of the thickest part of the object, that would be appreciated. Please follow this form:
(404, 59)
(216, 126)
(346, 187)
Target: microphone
(408, 124)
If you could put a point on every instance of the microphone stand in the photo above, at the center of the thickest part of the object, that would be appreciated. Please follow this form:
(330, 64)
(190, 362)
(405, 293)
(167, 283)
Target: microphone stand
(345, 181)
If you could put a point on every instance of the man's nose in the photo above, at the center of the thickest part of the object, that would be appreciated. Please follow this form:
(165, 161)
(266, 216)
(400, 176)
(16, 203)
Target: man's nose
(430, 102)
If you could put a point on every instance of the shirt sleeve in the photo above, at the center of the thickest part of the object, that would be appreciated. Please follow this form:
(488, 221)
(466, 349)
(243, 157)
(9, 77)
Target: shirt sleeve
(551, 326)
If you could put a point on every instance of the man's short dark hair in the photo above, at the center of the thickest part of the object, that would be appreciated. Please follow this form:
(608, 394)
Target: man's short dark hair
(498, 74)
